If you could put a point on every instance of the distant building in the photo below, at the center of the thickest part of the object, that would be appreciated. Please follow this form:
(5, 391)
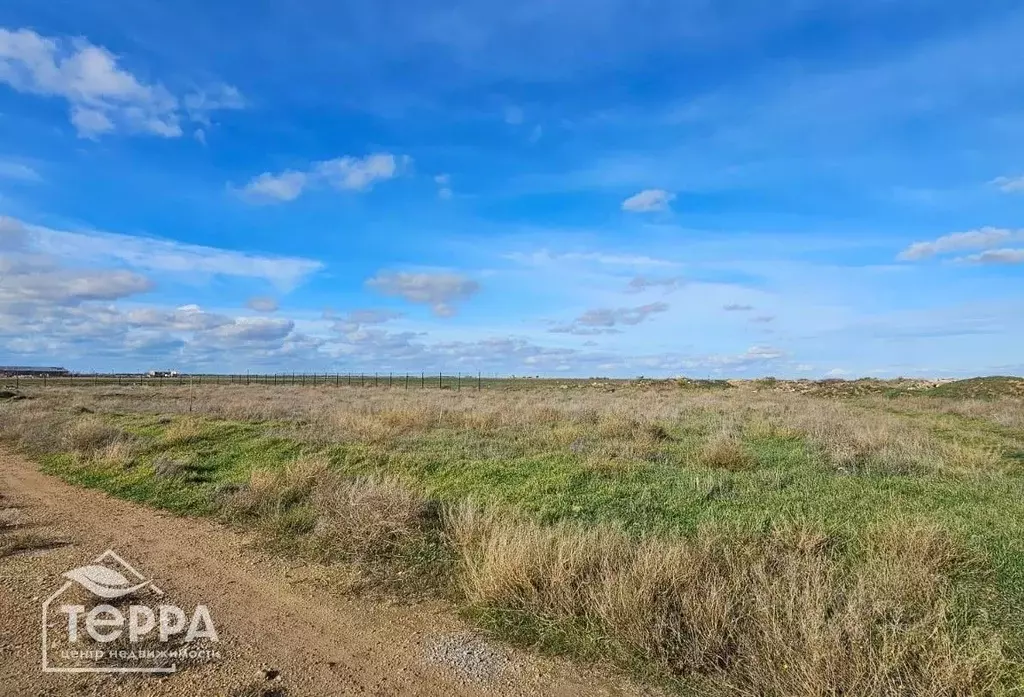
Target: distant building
(10, 371)
(163, 373)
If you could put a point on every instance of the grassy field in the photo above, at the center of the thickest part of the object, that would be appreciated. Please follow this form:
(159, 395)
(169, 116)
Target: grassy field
(759, 538)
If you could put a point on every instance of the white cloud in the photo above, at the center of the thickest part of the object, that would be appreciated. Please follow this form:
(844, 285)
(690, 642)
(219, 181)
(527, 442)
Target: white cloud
(201, 103)
(90, 122)
(343, 173)
(648, 201)
(996, 256)
(357, 174)
(286, 186)
(544, 257)
(438, 290)
(736, 307)
(161, 255)
(604, 320)
(1009, 185)
(18, 171)
(262, 303)
(185, 318)
(251, 329)
(444, 188)
(354, 320)
(26, 286)
(14, 236)
(755, 354)
(640, 284)
(102, 96)
(982, 238)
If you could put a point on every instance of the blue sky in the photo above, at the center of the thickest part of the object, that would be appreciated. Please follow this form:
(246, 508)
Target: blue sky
(734, 188)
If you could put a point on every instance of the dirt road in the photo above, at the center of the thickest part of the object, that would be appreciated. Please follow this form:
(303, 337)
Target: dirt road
(282, 630)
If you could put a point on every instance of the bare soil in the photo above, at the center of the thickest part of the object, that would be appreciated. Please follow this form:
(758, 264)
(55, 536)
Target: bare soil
(283, 630)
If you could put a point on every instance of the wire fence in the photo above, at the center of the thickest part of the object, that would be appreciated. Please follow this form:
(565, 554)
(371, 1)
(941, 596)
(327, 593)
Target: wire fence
(407, 381)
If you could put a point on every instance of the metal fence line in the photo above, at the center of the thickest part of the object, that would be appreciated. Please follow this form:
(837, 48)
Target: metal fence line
(453, 381)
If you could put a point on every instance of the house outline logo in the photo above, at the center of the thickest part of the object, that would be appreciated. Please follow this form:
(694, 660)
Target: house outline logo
(109, 577)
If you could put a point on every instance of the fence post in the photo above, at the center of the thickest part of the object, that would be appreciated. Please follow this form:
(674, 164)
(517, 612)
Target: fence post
(478, 385)
(439, 376)
(407, 381)
(390, 378)
(423, 378)
(375, 379)
(460, 381)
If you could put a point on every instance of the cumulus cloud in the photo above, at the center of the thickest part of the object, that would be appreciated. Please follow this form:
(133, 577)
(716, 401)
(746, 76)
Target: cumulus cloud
(158, 255)
(262, 303)
(996, 256)
(441, 291)
(102, 96)
(357, 174)
(1009, 185)
(33, 280)
(267, 187)
(342, 173)
(982, 238)
(70, 287)
(605, 321)
(640, 284)
(736, 307)
(648, 201)
(189, 318)
(247, 330)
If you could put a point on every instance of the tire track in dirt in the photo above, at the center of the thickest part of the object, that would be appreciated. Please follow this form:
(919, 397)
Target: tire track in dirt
(269, 613)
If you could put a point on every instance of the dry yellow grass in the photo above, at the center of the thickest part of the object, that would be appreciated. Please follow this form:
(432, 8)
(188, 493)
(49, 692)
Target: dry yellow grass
(777, 614)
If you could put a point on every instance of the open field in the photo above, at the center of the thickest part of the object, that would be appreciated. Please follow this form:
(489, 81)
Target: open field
(759, 538)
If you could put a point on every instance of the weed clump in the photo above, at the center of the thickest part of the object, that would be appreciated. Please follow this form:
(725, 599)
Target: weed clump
(389, 535)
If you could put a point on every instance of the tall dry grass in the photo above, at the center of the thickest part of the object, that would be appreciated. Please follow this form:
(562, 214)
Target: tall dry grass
(388, 534)
(628, 426)
(776, 614)
(790, 611)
